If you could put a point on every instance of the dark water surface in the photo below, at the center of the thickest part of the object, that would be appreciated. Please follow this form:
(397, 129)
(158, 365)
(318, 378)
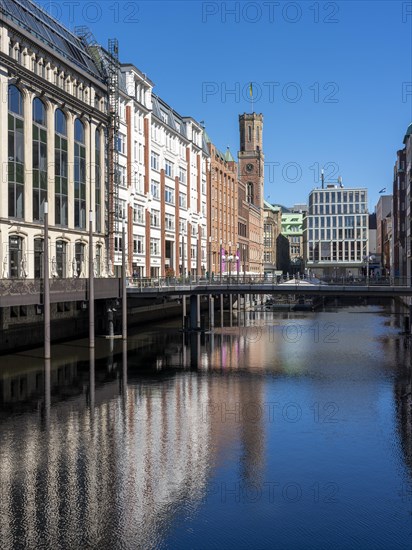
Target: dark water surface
(292, 432)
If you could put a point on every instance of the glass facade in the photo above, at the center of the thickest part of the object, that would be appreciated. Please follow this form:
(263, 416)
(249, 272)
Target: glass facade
(39, 159)
(337, 226)
(15, 153)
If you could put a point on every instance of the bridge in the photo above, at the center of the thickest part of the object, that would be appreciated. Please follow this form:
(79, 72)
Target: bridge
(165, 288)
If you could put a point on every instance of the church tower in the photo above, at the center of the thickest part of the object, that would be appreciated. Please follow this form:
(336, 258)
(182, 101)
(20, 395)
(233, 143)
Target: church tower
(251, 158)
(251, 181)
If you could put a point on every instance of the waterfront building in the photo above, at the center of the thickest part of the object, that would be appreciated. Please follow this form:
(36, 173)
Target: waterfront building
(383, 208)
(336, 232)
(271, 229)
(292, 229)
(163, 185)
(224, 252)
(55, 116)
(399, 207)
(407, 141)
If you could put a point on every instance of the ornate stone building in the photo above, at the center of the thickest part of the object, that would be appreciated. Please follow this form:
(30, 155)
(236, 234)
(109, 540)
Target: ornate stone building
(53, 111)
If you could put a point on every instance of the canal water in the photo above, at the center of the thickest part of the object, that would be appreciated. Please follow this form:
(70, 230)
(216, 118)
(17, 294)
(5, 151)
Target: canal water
(284, 430)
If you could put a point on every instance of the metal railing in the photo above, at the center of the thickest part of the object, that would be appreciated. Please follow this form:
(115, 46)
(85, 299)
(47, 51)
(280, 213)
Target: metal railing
(189, 281)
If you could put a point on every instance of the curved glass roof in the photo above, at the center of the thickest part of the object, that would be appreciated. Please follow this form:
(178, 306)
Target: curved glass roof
(33, 19)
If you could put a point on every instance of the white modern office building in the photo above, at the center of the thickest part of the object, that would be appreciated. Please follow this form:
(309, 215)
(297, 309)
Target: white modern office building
(336, 232)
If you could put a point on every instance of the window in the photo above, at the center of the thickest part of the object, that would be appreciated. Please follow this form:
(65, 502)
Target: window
(15, 153)
(182, 200)
(138, 214)
(79, 258)
(60, 169)
(121, 144)
(154, 189)
(182, 175)
(169, 195)
(168, 168)
(155, 218)
(249, 128)
(15, 256)
(39, 159)
(97, 181)
(79, 176)
(154, 247)
(138, 245)
(61, 258)
(169, 222)
(250, 193)
(154, 161)
(38, 258)
(98, 260)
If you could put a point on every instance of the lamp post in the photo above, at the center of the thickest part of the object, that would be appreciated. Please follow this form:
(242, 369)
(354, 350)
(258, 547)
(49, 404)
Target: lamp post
(124, 289)
(91, 281)
(230, 259)
(221, 260)
(210, 257)
(244, 263)
(46, 302)
(183, 256)
(237, 262)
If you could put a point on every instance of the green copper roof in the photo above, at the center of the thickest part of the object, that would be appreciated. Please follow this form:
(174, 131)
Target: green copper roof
(228, 156)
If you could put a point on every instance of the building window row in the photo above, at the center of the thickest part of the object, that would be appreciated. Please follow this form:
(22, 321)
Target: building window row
(16, 172)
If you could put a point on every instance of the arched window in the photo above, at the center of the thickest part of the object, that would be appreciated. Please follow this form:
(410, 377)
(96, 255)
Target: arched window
(15, 256)
(79, 259)
(38, 258)
(250, 192)
(60, 169)
(79, 176)
(97, 182)
(257, 134)
(15, 153)
(61, 258)
(249, 129)
(39, 159)
(98, 261)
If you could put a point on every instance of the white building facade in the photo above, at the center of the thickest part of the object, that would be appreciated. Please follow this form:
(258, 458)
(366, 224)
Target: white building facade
(53, 111)
(163, 162)
(336, 232)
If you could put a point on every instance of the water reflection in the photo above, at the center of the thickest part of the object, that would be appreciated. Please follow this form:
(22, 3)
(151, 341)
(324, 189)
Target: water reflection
(154, 442)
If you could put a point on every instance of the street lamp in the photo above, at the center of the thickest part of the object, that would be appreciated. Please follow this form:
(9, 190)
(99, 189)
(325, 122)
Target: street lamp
(230, 259)
(183, 273)
(221, 255)
(237, 261)
(210, 257)
(244, 263)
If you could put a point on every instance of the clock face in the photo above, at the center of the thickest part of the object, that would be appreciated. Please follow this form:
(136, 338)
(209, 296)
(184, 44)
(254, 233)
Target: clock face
(249, 167)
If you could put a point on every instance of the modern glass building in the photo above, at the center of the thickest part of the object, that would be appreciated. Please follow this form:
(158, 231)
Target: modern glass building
(336, 232)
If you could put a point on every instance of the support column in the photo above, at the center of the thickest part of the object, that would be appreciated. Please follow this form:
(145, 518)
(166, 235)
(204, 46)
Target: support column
(184, 310)
(211, 311)
(198, 311)
(194, 311)
(221, 310)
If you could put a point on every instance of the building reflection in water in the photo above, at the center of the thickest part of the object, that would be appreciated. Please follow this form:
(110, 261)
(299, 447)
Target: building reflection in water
(107, 448)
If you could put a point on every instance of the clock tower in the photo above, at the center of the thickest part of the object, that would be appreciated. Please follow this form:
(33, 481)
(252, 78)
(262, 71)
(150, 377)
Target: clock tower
(251, 181)
(251, 158)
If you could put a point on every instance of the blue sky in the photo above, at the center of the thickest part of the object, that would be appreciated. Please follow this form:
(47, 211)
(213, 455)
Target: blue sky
(331, 78)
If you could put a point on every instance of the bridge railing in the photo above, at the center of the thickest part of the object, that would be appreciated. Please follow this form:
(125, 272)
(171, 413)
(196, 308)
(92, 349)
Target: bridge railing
(173, 282)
